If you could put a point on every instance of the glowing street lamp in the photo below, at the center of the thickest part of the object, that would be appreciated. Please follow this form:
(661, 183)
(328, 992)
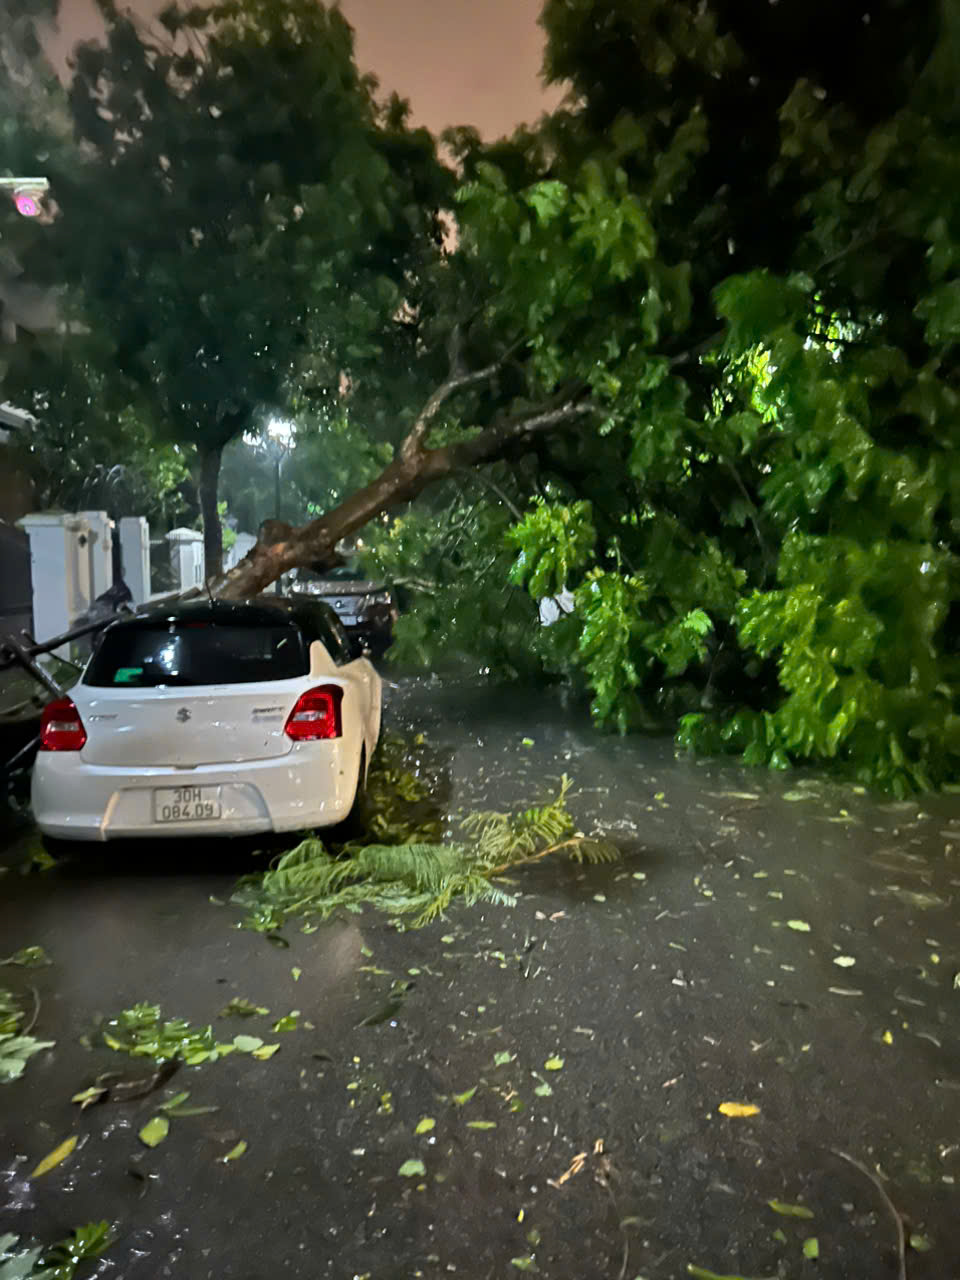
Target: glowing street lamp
(27, 194)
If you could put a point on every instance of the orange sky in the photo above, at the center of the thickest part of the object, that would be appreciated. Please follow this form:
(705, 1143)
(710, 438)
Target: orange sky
(458, 61)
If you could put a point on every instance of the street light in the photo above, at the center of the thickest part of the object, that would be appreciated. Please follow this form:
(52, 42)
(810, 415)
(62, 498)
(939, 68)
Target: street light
(27, 194)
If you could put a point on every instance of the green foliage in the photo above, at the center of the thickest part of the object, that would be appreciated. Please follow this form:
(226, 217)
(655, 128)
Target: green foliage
(551, 541)
(16, 1049)
(22, 1261)
(142, 1032)
(413, 879)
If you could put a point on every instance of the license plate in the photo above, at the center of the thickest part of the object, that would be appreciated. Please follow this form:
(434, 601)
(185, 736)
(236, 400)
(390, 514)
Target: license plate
(186, 804)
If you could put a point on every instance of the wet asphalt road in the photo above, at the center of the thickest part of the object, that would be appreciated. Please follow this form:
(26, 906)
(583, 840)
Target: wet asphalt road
(700, 970)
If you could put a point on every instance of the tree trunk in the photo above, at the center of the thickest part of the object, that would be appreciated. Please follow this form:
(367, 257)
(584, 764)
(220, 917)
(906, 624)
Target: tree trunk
(207, 490)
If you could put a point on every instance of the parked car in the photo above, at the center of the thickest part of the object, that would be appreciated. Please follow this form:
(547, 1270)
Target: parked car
(210, 717)
(368, 610)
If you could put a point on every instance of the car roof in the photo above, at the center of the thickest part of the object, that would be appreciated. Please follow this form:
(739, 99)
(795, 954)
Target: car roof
(261, 611)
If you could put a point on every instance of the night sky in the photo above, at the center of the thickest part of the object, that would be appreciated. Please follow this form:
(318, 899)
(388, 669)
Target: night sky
(458, 61)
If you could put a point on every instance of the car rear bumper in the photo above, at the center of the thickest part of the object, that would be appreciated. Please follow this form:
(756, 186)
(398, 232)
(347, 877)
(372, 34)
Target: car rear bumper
(311, 786)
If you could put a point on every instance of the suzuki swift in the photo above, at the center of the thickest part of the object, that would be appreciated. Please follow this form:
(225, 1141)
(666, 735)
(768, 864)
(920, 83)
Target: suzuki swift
(210, 717)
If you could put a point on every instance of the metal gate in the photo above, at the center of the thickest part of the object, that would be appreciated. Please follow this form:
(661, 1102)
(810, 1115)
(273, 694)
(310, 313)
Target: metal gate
(16, 590)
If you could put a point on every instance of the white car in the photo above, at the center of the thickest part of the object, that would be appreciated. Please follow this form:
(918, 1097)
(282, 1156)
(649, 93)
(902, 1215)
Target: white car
(213, 718)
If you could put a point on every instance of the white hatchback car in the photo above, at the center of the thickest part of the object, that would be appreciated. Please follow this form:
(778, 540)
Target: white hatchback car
(210, 717)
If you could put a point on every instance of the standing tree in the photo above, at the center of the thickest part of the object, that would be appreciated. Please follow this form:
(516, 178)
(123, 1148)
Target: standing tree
(242, 213)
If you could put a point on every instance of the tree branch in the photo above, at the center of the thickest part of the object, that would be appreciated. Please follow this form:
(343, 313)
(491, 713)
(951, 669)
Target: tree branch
(413, 442)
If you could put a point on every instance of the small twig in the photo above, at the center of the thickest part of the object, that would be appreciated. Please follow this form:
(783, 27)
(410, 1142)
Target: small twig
(897, 1217)
(36, 1012)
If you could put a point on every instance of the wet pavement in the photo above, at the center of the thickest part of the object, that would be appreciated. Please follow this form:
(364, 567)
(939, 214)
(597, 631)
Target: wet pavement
(777, 941)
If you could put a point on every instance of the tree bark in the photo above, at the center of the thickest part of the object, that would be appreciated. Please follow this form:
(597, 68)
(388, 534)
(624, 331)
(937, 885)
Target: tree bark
(208, 490)
(413, 468)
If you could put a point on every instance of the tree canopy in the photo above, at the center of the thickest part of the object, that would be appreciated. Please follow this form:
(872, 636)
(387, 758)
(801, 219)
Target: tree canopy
(688, 350)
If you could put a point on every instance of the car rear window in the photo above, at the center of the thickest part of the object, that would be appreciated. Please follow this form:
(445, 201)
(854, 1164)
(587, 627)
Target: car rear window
(196, 653)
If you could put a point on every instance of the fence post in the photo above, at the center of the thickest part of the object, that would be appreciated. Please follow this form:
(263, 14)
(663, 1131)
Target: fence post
(59, 569)
(101, 551)
(135, 554)
(186, 557)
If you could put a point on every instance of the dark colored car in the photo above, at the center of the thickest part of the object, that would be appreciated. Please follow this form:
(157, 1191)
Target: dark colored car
(366, 609)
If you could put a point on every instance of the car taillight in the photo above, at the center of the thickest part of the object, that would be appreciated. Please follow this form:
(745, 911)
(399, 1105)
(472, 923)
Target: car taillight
(61, 728)
(316, 715)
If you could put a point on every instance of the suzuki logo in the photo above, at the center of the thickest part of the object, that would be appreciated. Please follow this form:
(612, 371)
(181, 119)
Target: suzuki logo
(183, 715)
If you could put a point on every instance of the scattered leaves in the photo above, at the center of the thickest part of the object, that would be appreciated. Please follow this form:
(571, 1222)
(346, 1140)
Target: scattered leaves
(738, 1109)
(799, 926)
(412, 1169)
(481, 1124)
(425, 1125)
(461, 1099)
(811, 1248)
(553, 1064)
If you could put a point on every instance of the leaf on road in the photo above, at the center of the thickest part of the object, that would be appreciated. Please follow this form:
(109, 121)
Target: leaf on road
(920, 1243)
(503, 1057)
(790, 1210)
(191, 1109)
(481, 1124)
(56, 1156)
(412, 1169)
(235, 1152)
(28, 958)
(288, 1022)
(177, 1100)
(543, 1090)
(701, 1273)
(553, 1064)
(240, 1008)
(461, 1099)
(154, 1131)
(844, 962)
(265, 1051)
(526, 1263)
(425, 1125)
(811, 1248)
(247, 1044)
(88, 1097)
(799, 926)
(738, 1109)
(15, 1051)
(295, 973)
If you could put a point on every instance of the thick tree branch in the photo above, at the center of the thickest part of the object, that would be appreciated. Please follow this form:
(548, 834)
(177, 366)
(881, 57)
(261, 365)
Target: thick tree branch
(401, 481)
(457, 382)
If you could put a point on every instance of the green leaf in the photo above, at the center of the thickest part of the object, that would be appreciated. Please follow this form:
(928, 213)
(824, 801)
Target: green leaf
(29, 958)
(553, 1064)
(425, 1125)
(295, 972)
(790, 1210)
(56, 1156)
(811, 1248)
(265, 1052)
(240, 1008)
(920, 1243)
(503, 1057)
(154, 1131)
(412, 1169)
(524, 1263)
(799, 926)
(235, 1152)
(288, 1022)
(461, 1099)
(177, 1100)
(481, 1124)
(247, 1044)
(88, 1097)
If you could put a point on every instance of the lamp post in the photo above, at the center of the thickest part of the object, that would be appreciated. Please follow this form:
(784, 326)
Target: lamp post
(280, 435)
